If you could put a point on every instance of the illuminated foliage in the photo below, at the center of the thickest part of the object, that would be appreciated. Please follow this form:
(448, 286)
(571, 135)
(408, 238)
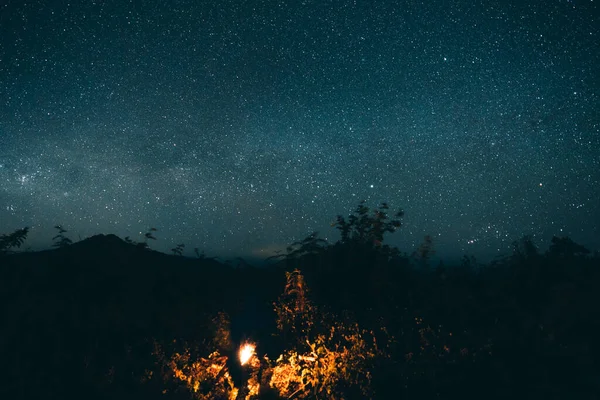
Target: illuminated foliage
(209, 377)
(320, 365)
(221, 326)
(329, 364)
(295, 312)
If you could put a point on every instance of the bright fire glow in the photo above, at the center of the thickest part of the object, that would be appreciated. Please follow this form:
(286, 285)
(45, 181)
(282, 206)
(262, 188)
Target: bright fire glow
(246, 352)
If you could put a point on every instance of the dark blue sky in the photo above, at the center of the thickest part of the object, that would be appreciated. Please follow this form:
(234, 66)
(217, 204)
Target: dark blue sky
(241, 126)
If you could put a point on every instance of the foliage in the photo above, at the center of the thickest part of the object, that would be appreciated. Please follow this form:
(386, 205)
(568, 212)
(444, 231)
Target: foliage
(12, 240)
(370, 327)
(205, 378)
(315, 364)
(208, 377)
(361, 229)
(295, 312)
(328, 365)
(201, 254)
(470, 263)
(312, 244)
(424, 252)
(149, 235)
(60, 240)
(428, 349)
(565, 247)
(524, 248)
(324, 361)
(221, 332)
(178, 250)
(366, 228)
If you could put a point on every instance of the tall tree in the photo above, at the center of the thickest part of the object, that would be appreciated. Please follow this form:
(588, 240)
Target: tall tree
(60, 240)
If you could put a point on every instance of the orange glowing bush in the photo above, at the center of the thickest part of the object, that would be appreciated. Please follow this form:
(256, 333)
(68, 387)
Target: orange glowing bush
(315, 365)
(207, 378)
(295, 312)
(328, 364)
(319, 364)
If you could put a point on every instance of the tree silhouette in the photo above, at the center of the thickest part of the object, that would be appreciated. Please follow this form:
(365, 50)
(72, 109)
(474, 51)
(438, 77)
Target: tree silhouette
(469, 263)
(424, 252)
(60, 240)
(564, 247)
(311, 244)
(524, 249)
(178, 250)
(365, 228)
(149, 234)
(15, 239)
(143, 245)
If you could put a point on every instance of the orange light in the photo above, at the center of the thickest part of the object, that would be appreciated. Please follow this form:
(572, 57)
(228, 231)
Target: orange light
(246, 352)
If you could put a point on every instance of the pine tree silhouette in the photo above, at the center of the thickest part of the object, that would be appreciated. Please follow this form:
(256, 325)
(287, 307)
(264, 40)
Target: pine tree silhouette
(61, 240)
(178, 250)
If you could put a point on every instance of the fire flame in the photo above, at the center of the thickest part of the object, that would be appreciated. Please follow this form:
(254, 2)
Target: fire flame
(246, 352)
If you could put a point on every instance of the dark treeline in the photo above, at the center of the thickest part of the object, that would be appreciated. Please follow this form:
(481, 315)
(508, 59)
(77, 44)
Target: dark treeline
(111, 318)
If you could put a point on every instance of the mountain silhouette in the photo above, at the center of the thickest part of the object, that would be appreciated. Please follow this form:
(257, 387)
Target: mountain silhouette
(108, 252)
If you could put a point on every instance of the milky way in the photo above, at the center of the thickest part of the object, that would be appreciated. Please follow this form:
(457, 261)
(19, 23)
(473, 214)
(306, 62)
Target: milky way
(240, 126)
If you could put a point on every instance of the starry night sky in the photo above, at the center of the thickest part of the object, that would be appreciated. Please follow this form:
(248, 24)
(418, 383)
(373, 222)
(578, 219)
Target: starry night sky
(240, 126)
